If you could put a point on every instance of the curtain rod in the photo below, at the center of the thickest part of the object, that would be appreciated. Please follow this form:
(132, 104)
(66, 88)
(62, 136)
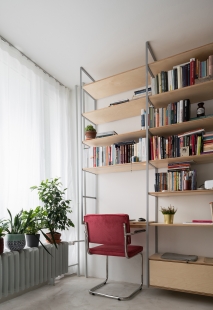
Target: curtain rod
(3, 39)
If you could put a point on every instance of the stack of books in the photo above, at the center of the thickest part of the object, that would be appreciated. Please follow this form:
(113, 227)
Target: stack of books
(182, 75)
(173, 179)
(142, 92)
(208, 143)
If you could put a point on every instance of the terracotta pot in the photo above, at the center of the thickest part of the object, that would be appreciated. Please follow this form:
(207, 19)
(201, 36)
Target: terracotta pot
(90, 134)
(1, 245)
(57, 237)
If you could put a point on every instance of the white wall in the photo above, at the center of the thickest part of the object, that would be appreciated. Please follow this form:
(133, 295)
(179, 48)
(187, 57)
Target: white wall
(125, 193)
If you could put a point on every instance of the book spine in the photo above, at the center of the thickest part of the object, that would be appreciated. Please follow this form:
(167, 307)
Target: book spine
(196, 68)
(143, 119)
(181, 112)
(192, 71)
(211, 65)
(159, 83)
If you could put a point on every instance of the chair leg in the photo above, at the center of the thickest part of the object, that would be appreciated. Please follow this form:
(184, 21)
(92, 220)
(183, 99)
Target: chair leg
(92, 290)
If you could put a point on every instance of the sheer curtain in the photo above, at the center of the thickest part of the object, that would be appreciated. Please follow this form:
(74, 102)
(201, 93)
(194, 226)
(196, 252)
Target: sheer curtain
(37, 134)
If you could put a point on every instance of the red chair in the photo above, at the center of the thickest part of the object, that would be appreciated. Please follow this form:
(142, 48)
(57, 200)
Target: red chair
(112, 233)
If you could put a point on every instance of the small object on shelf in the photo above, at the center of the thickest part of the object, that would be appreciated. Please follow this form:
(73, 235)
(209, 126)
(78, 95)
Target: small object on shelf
(143, 119)
(168, 214)
(105, 134)
(187, 185)
(184, 151)
(181, 257)
(118, 102)
(141, 219)
(200, 109)
(208, 184)
(90, 132)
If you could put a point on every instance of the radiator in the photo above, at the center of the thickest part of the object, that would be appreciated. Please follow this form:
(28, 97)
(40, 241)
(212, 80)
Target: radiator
(30, 267)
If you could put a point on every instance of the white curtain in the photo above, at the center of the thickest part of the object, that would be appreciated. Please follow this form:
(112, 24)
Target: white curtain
(37, 134)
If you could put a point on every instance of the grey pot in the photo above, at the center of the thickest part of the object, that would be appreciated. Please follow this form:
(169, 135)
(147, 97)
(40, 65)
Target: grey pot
(32, 240)
(14, 242)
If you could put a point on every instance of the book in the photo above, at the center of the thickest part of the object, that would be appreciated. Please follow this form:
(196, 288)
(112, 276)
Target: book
(202, 221)
(192, 71)
(143, 119)
(105, 134)
(192, 132)
(118, 102)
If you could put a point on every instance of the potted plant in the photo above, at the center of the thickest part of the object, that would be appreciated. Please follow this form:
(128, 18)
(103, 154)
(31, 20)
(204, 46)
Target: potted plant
(15, 238)
(56, 206)
(36, 222)
(90, 132)
(3, 227)
(168, 214)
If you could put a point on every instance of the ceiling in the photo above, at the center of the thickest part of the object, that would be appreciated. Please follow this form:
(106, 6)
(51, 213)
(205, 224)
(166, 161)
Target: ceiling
(105, 37)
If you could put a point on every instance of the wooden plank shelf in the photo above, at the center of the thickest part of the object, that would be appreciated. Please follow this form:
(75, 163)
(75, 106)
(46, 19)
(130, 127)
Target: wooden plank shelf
(181, 225)
(114, 113)
(135, 78)
(200, 261)
(118, 168)
(196, 93)
(195, 159)
(182, 193)
(116, 138)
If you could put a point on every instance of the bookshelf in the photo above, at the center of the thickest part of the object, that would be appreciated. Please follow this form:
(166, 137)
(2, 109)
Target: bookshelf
(160, 273)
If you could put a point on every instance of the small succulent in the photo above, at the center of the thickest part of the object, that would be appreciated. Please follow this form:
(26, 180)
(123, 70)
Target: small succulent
(90, 128)
(169, 210)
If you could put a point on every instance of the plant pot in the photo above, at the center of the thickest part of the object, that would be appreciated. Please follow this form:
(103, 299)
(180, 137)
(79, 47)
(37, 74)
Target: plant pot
(57, 237)
(168, 218)
(1, 245)
(32, 240)
(90, 134)
(15, 242)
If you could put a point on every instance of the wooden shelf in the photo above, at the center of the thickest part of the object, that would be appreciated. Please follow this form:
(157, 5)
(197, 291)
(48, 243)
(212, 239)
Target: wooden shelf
(196, 93)
(200, 261)
(136, 224)
(120, 111)
(116, 138)
(181, 225)
(182, 193)
(205, 123)
(135, 78)
(118, 168)
(195, 159)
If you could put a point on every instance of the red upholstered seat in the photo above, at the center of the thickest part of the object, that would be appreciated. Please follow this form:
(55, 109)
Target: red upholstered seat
(116, 250)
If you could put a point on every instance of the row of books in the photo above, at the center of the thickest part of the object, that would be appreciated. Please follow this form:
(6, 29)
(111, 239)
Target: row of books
(176, 112)
(120, 153)
(182, 75)
(186, 144)
(174, 178)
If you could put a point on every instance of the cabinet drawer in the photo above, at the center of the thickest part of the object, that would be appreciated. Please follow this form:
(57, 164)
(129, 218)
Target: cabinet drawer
(182, 276)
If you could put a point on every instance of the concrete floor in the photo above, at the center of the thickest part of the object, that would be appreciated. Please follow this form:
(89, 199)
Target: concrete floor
(71, 293)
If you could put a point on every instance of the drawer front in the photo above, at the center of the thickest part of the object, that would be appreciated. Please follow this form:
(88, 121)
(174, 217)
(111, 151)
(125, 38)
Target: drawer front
(182, 276)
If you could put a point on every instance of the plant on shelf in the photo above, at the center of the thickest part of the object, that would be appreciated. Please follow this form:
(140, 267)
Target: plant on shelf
(90, 132)
(168, 214)
(36, 222)
(15, 238)
(3, 227)
(56, 206)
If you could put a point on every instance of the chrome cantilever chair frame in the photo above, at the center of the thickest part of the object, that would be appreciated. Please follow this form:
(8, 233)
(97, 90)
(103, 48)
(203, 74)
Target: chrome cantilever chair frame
(92, 291)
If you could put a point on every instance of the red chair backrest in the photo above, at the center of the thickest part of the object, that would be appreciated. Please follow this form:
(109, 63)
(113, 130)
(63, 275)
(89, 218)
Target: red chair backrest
(107, 228)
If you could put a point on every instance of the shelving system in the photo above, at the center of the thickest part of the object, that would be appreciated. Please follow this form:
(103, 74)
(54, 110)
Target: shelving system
(135, 79)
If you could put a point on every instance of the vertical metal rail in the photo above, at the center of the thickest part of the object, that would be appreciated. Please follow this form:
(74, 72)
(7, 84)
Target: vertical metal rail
(77, 179)
(147, 170)
(82, 180)
(148, 71)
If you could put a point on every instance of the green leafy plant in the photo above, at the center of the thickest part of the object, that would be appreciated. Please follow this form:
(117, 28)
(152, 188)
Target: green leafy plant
(90, 128)
(169, 210)
(3, 227)
(17, 225)
(56, 206)
(37, 220)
